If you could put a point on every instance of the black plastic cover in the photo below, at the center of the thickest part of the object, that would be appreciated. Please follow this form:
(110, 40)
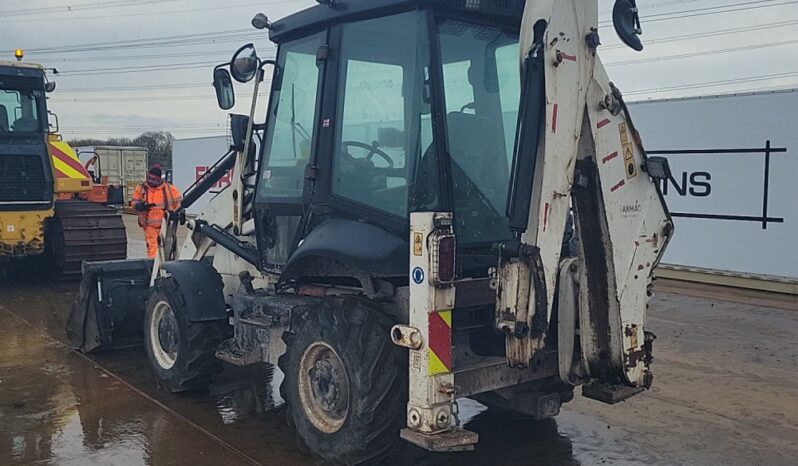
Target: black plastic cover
(354, 244)
(201, 287)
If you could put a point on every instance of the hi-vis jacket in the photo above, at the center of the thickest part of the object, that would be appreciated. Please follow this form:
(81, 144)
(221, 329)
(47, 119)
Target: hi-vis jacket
(161, 199)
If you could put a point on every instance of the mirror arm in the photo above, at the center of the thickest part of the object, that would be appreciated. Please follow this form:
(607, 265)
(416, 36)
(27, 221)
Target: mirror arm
(253, 107)
(57, 125)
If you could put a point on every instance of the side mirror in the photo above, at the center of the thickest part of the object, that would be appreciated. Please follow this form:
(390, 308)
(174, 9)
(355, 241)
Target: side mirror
(49, 86)
(245, 63)
(626, 20)
(261, 21)
(223, 84)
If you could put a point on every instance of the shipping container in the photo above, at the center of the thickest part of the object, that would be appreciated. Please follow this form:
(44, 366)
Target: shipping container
(124, 166)
(733, 194)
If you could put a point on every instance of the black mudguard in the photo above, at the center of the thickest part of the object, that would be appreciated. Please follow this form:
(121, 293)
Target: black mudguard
(202, 288)
(108, 311)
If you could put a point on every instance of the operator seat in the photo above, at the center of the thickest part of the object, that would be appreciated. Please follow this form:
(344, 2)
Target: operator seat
(475, 145)
(3, 118)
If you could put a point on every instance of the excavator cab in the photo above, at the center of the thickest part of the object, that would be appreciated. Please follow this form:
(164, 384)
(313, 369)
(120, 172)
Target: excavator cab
(401, 111)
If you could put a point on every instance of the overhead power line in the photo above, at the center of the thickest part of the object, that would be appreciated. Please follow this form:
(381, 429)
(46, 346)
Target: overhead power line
(655, 5)
(142, 42)
(78, 17)
(699, 35)
(80, 7)
(154, 87)
(702, 54)
(38, 19)
(655, 41)
(705, 84)
(217, 36)
(744, 6)
(134, 99)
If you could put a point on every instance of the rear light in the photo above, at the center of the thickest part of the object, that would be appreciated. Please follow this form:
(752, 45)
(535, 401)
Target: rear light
(443, 259)
(84, 183)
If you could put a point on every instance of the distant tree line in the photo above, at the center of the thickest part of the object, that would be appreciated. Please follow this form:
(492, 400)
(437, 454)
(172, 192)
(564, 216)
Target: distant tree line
(158, 144)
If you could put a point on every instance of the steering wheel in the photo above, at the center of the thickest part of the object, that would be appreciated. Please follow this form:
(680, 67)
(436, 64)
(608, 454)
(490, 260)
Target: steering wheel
(373, 150)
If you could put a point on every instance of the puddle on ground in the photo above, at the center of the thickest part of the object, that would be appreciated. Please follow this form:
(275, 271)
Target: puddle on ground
(61, 408)
(251, 395)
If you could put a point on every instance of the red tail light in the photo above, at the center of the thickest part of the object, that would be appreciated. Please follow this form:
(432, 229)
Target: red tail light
(443, 260)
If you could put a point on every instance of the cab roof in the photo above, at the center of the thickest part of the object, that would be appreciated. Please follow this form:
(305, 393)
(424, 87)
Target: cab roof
(320, 16)
(21, 64)
(23, 69)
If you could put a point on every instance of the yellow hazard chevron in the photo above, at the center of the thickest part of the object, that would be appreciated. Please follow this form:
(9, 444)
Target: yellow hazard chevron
(440, 342)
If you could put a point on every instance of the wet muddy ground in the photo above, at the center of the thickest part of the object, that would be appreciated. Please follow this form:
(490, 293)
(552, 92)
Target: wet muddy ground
(725, 393)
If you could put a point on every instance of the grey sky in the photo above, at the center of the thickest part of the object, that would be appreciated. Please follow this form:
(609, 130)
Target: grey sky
(768, 54)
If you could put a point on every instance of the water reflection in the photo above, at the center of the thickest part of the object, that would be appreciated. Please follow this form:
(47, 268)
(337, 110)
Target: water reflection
(248, 393)
(58, 408)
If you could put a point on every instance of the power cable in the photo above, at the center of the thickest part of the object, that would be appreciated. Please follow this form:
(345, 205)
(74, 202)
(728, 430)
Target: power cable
(744, 6)
(701, 54)
(160, 12)
(142, 42)
(711, 83)
(154, 87)
(181, 39)
(699, 35)
(81, 7)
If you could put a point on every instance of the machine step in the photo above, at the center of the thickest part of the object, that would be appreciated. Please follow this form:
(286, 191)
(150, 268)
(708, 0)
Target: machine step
(610, 394)
(228, 351)
(451, 440)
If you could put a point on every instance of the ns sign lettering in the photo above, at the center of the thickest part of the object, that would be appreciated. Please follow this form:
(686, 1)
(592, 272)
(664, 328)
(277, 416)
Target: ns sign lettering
(695, 184)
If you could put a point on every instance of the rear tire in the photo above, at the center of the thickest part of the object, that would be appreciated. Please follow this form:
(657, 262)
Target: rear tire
(345, 382)
(181, 353)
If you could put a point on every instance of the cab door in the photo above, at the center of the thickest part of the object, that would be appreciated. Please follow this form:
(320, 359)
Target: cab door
(289, 146)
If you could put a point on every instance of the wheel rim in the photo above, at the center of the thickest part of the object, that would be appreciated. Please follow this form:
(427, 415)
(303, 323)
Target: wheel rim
(323, 387)
(164, 336)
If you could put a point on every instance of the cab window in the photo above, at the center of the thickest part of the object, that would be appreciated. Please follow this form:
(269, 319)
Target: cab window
(292, 120)
(384, 128)
(19, 111)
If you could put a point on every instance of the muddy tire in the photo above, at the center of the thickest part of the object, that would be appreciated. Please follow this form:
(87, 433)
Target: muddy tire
(345, 382)
(181, 353)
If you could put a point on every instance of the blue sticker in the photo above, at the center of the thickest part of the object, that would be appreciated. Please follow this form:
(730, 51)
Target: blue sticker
(418, 275)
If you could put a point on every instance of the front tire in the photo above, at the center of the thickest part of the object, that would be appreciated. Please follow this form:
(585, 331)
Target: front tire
(181, 353)
(345, 382)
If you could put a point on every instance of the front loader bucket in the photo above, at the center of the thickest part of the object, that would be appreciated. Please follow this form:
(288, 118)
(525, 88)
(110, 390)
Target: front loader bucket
(108, 312)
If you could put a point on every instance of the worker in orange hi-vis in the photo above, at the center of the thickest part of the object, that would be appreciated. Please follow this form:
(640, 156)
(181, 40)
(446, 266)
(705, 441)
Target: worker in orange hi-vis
(152, 199)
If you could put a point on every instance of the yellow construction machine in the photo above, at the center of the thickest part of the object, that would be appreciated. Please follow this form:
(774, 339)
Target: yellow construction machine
(43, 185)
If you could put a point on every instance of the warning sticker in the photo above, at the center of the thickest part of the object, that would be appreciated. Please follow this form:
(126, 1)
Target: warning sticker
(631, 169)
(628, 153)
(418, 243)
(624, 134)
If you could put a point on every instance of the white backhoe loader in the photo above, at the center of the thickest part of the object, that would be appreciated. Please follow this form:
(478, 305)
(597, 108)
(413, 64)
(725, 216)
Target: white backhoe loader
(417, 220)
